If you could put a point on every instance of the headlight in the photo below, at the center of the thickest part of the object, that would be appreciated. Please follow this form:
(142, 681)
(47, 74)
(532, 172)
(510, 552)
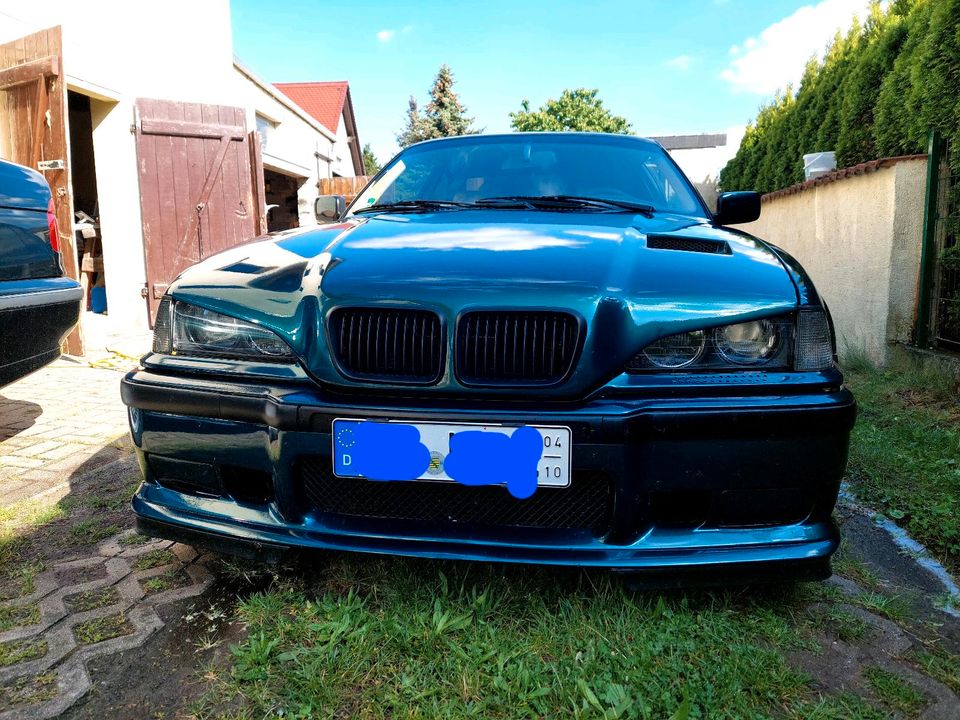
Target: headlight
(748, 343)
(800, 341)
(183, 329)
(676, 351)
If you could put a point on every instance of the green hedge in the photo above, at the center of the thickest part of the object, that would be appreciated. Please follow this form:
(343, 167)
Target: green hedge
(877, 93)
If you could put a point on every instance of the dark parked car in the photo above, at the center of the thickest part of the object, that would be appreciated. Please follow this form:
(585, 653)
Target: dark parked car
(537, 348)
(38, 305)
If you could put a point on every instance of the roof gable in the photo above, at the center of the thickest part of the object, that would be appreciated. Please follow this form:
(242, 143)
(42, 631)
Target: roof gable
(322, 100)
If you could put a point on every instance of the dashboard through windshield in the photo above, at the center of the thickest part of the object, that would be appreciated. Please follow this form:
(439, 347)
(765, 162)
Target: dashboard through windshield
(484, 168)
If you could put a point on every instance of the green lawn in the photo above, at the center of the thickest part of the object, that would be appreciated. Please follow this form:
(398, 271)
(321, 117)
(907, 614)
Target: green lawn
(379, 637)
(392, 638)
(398, 638)
(905, 452)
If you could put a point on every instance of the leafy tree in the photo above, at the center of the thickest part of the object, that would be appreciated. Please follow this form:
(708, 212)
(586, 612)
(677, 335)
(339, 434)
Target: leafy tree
(445, 115)
(576, 110)
(371, 166)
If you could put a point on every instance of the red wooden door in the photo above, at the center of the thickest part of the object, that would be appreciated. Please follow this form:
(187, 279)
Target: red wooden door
(197, 191)
(33, 128)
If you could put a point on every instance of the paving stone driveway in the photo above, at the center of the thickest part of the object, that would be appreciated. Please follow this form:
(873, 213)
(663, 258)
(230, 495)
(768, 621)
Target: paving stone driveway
(59, 427)
(110, 607)
(55, 421)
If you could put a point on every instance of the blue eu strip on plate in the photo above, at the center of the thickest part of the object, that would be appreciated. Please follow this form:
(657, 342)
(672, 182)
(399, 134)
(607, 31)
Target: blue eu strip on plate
(521, 458)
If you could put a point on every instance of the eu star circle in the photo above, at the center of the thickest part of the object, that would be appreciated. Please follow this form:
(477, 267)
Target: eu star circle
(345, 438)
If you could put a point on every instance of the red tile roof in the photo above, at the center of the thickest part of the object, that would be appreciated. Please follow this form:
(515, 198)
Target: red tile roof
(322, 100)
(861, 169)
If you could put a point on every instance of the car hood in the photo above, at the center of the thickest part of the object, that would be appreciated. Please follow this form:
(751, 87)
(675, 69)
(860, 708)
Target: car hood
(598, 265)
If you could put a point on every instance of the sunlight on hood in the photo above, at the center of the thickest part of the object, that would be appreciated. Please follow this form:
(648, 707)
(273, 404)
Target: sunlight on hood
(492, 238)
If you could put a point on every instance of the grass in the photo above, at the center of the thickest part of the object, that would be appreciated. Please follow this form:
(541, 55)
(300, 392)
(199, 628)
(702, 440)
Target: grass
(154, 558)
(12, 616)
(905, 450)
(18, 579)
(894, 692)
(849, 567)
(397, 638)
(133, 540)
(89, 532)
(100, 629)
(91, 599)
(18, 519)
(845, 625)
(892, 607)
(940, 665)
(15, 651)
(29, 690)
(167, 581)
(114, 500)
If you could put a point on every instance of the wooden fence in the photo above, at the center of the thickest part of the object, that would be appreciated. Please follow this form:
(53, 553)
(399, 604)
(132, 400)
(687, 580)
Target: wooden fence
(349, 187)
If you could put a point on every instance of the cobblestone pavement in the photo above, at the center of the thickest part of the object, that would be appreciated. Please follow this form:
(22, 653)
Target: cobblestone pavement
(57, 419)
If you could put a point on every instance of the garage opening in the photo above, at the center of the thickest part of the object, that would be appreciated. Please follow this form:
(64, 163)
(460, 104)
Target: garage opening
(86, 204)
(280, 194)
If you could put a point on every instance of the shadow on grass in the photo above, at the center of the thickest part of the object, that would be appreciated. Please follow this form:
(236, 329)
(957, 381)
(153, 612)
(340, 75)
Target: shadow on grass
(38, 531)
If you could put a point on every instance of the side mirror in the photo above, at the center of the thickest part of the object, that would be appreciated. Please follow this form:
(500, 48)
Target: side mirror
(734, 208)
(329, 208)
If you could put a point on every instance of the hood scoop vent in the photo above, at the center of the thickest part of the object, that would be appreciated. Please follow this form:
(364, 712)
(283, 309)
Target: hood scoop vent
(684, 244)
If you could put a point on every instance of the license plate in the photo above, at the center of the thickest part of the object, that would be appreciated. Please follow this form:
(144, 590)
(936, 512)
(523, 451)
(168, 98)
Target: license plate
(471, 453)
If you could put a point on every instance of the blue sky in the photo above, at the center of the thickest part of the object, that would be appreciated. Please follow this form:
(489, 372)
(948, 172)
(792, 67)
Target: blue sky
(668, 66)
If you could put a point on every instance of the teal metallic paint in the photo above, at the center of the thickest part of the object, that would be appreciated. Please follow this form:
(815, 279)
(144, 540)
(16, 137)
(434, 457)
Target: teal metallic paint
(596, 264)
(737, 431)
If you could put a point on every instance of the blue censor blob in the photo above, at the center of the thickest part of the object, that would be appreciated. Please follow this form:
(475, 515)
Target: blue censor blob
(380, 451)
(396, 451)
(491, 458)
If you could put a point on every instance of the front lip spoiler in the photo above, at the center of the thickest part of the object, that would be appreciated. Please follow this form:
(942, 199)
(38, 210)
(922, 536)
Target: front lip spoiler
(643, 579)
(271, 544)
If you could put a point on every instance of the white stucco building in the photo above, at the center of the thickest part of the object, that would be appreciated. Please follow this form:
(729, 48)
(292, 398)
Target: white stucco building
(703, 156)
(138, 97)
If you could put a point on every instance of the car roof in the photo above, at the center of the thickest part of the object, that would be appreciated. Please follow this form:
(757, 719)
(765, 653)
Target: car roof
(565, 136)
(23, 188)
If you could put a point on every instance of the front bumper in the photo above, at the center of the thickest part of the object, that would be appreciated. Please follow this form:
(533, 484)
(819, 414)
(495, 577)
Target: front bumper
(694, 481)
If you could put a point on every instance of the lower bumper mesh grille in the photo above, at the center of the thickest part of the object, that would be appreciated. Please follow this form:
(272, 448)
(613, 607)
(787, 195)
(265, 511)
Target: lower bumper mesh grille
(585, 505)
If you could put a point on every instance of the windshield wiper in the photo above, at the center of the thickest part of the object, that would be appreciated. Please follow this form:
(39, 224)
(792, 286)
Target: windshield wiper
(580, 200)
(414, 206)
(513, 202)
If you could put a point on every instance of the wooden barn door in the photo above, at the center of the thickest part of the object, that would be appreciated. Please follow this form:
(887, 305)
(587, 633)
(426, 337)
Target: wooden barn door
(33, 129)
(197, 191)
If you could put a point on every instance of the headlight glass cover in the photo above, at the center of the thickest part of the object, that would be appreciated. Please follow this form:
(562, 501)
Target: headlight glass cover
(675, 352)
(189, 330)
(748, 343)
(798, 341)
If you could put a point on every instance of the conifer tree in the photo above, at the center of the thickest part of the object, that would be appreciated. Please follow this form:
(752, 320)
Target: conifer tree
(445, 115)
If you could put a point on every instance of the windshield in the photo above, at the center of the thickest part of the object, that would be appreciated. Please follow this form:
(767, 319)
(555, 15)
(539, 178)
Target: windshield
(484, 167)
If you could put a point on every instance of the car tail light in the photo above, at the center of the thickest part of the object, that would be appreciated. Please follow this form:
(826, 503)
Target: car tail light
(52, 227)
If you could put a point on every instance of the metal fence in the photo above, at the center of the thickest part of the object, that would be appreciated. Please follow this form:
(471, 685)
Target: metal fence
(938, 321)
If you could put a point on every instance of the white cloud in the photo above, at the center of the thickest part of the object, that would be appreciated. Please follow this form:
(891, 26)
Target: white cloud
(767, 63)
(386, 36)
(680, 62)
